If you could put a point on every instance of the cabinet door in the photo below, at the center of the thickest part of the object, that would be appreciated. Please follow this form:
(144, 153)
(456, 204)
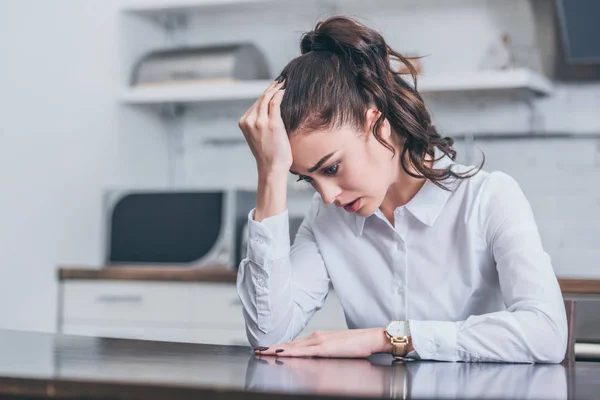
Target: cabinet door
(216, 305)
(161, 302)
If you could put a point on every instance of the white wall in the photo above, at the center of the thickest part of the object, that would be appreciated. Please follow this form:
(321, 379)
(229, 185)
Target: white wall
(62, 141)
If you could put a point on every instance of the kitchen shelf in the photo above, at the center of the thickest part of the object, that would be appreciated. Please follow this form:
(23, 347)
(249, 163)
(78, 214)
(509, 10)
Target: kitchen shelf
(156, 8)
(195, 92)
(521, 81)
(518, 80)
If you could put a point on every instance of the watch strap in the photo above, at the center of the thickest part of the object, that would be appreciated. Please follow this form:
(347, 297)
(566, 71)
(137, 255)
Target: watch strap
(399, 348)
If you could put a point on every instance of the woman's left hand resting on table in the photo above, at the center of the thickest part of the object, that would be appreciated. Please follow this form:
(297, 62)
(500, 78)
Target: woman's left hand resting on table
(352, 343)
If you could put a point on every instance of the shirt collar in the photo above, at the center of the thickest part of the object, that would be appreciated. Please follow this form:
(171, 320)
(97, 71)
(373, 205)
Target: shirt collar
(428, 203)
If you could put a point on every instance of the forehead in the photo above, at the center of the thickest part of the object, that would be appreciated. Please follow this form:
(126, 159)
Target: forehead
(309, 148)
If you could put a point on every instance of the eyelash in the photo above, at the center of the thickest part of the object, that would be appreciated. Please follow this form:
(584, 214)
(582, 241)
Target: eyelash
(331, 170)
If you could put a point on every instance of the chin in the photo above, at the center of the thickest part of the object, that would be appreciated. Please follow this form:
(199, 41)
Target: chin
(370, 206)
(366, 210)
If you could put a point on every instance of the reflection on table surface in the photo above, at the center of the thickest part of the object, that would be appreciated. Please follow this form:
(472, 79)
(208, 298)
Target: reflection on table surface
(381, 376)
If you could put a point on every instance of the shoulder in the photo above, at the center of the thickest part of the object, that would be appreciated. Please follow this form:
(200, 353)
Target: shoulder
(485, 186)
(498, 188)
(501, 205)
(488, 194)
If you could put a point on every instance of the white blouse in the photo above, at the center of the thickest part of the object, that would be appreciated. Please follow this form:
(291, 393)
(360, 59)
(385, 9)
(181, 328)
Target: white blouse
(465, 267)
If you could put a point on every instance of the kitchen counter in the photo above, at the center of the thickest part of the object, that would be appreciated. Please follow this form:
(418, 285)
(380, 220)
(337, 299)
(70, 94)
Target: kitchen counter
(226, 275)
(143, 273)
(51, 366)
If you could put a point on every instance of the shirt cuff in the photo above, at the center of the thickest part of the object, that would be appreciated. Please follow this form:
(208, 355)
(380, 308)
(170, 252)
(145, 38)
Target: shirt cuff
(269, 239)
(413, 354)
(435, 340)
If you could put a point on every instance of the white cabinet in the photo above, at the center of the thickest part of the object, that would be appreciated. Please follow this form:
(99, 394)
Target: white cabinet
(120, 301)
(199, 312)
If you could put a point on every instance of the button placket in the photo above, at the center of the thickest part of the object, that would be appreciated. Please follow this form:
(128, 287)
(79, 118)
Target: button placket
(398, 292)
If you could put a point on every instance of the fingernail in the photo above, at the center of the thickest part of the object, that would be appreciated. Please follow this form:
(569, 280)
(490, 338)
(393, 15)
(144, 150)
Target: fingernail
(279, 79)
(261, 348)
(279, 362)
(279, 351)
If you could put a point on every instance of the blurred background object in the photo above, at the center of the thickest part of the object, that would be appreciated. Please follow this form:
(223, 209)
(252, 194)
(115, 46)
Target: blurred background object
(221, 63)
(517, 80)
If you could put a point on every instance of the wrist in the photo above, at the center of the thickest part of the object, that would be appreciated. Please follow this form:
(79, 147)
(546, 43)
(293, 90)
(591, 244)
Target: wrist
(272, 175)
(381, 340)
(385, 343)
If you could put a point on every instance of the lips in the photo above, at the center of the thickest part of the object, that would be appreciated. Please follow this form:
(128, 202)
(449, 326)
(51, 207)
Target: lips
(353, 206)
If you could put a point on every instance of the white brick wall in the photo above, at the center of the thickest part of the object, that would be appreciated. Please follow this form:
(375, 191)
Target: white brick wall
(561, 179)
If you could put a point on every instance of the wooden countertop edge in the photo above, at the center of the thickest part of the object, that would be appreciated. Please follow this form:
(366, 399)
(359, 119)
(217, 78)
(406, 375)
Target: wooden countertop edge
(144, 273)
(228, 275)
(579, 286)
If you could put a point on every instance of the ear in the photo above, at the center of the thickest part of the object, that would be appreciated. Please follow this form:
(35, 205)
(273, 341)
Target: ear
(385, 130)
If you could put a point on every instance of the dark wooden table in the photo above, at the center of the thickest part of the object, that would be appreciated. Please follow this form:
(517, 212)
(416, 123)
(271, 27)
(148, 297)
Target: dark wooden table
(37, 365)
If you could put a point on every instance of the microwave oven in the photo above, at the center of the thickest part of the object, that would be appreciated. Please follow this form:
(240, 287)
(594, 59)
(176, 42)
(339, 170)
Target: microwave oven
(195, 228)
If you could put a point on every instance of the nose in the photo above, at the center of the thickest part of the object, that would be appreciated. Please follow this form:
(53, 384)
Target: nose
(328, 191)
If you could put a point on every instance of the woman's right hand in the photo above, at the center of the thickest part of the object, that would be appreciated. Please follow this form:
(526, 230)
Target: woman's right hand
(265, 132)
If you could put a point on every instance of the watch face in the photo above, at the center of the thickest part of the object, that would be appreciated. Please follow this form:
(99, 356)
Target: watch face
(398, 329)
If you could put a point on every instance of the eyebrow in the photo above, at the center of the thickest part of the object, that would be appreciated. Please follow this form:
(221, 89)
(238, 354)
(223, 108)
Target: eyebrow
(318, 165)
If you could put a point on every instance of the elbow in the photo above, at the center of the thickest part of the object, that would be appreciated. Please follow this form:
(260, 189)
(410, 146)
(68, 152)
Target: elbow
(552, 354)
(553, 347)
(558, 352)
(266, 333)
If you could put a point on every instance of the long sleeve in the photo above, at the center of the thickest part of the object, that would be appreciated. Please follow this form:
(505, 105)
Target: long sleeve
(533, 328)
(281, 287)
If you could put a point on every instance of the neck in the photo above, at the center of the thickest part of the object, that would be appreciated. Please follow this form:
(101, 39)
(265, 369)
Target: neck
(402, 190)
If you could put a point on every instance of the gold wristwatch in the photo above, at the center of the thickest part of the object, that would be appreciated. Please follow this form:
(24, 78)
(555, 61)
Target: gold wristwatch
(399, 334)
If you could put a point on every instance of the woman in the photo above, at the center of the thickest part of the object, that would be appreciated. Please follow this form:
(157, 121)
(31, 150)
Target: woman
(430, 259)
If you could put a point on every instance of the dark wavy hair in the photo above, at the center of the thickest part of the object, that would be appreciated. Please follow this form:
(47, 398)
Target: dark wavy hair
(344, 69)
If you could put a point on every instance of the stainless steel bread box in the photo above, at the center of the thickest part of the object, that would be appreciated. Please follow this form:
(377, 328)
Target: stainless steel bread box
(228, 62)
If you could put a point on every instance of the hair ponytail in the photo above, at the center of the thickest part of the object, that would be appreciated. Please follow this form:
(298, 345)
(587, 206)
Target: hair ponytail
(345, 67)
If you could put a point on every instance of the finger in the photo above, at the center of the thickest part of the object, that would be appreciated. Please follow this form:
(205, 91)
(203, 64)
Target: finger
(280, 348)
(301, 351)
(273, 350)
(262, 111)
(275, 105)
(254, 105)
(262, 103)
(272, 85)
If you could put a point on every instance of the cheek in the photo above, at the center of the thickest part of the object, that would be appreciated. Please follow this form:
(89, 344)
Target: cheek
(364, 177)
